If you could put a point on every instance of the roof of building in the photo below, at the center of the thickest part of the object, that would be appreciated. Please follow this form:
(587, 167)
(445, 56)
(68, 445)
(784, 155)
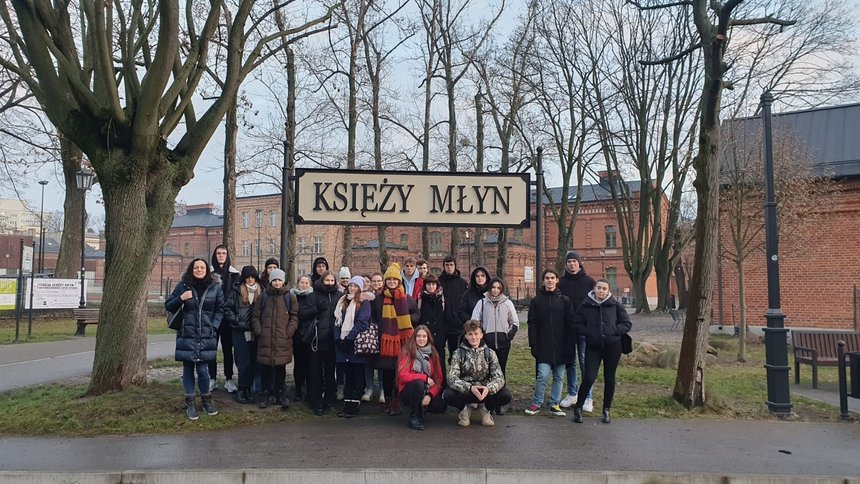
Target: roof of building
(597, 192)
(198, 217)
(829, 134)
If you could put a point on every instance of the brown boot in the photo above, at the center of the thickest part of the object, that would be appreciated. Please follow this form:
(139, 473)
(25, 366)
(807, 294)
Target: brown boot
(395, 407)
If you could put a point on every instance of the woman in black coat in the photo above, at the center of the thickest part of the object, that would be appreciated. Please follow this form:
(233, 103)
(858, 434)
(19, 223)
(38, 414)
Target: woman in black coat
(320, 339)
(479, 283)
(201, 300)
(238, 310)
(304, 293)
(602, 320)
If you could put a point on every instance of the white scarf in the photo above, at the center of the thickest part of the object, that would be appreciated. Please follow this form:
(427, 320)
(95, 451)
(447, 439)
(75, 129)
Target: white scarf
(252, 291)
(345, 320)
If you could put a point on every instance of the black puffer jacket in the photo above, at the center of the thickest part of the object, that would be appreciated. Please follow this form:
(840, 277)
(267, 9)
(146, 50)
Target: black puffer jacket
(314, 276)
(326, 298)
(432, 308)
(453, 287)
(197, 340)
(550, 324)
(471, 297)
(237, 312)
(308, 312)
(602, 324)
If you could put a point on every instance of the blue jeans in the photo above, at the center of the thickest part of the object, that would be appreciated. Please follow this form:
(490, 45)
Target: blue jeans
(188, 368)
(543, 370)
(368, 377)
(572, 384)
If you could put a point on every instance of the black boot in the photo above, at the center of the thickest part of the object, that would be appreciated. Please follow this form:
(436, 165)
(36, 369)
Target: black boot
(606, 418)
(190, 408)
(207, 404)
(350, 409)
(282, 400)
(263, 399)
(297, 394)
(243, 396)
(415, 422)
(577, 415)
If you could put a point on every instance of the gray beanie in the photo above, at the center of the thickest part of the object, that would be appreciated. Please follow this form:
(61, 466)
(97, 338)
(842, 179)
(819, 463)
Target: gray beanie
(344, 273)
(277, 274)
(573, 255)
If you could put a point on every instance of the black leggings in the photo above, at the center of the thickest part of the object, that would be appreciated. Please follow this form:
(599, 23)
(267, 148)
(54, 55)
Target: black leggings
(413, 393)
(321, 385)
(273, 377)
(610, 354)
(388, 376)
(301, 361)
(459, 400)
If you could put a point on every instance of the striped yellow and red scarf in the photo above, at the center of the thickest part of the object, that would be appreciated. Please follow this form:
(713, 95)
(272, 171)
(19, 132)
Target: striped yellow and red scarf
(396, 325)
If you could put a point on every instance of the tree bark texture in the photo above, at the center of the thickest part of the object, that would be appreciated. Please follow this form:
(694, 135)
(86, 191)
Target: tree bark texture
(742, 311)
(69, 259)
(231, 135)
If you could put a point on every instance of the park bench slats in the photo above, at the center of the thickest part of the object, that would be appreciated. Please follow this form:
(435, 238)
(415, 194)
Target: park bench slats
(818, 348)
(85, 316)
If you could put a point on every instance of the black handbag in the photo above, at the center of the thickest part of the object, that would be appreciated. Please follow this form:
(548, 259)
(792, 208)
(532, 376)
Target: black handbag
(626, 344)
(174, 320)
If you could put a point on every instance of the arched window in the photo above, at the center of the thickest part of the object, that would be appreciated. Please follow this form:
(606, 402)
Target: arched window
(186, 249)
(435, 242)
(245, 220)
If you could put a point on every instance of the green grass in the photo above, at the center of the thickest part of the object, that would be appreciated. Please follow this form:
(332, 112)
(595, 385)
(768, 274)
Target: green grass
(734, 391)
(52, 329)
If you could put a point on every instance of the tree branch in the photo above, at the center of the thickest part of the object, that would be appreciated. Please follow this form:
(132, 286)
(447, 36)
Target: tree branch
(660, 6)
(762, 20)
(673, 58)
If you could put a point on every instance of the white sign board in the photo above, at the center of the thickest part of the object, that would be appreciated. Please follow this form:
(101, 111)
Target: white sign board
(27, 262)
(53, 293)
(529, 274)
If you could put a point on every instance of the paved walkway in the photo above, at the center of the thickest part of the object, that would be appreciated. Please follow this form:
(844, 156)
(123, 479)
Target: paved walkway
(516, 442)
(36, 363)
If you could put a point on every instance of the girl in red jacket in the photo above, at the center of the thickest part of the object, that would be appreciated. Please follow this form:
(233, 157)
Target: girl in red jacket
(420, 378)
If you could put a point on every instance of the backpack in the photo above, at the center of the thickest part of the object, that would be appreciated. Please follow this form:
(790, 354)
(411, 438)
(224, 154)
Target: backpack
(487, 352)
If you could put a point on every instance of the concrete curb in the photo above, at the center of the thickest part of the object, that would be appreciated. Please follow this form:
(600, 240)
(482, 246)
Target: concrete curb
(412, 476)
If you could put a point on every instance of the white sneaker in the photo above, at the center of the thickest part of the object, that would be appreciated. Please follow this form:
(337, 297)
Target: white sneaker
(486, 417)
(568, 401)
(588, 406)
(465, 416)
(367, 395)
(339, 392)
(381, 397)
(213, 385)
(230, 386)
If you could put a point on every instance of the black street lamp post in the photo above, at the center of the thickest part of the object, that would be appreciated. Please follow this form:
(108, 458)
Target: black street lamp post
(775, 334)
(84, 179)
(469, 249)
(42, 228)
(259, 239)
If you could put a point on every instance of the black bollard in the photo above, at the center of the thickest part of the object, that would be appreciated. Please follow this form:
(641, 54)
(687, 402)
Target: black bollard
(843, 382)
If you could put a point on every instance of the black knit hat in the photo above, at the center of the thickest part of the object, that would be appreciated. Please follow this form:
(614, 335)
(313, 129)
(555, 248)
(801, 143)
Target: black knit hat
(250, 271)
(272, 260)
(571, 254)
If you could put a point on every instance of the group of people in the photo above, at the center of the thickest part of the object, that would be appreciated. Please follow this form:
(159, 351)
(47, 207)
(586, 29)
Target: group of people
(430, 341)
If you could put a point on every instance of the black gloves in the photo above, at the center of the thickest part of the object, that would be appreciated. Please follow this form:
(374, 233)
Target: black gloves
(512, 332)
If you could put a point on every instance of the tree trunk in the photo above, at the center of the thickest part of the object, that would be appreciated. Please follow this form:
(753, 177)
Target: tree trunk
(502, 253)
(138, 214)
(231, 134)
(288, 251)
(69, 259)
(664, 285)
(641, 295)
(681, 284)
(383, 248)
(690, 379)
(742, 309)
(425, 243)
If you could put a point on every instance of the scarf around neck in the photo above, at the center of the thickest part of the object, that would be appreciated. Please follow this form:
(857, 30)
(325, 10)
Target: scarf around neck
(494, 299)
(396, 324)
(422, 360)
(345, 319)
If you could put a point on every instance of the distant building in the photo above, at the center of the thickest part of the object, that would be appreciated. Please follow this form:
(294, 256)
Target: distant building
(17, 218)
(818, 281)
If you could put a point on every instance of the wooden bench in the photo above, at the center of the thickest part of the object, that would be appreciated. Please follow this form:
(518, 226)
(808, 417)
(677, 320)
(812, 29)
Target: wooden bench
(819, 348)
(85, 316)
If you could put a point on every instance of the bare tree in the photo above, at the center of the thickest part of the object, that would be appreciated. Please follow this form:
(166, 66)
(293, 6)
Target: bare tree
(146, 67)
(799, 193)
(713, 21)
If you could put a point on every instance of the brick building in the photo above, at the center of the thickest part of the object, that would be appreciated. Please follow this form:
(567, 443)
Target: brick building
(818, 280)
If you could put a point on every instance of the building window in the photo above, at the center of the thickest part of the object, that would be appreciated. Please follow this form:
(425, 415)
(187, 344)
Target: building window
(273, 218)
(435, 242)
(612, 278)
(272, 246)
(318, 247)
(259, 220)
(404, 241)
(168, 248)
(303, 244)
(246, 249)
(611, 241)
(186, 249)
(245, 220)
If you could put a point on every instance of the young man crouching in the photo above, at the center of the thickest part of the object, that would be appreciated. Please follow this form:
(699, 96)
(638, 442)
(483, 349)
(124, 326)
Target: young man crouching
(475, 377)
